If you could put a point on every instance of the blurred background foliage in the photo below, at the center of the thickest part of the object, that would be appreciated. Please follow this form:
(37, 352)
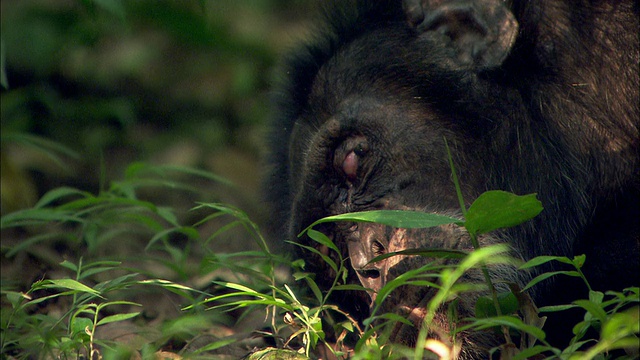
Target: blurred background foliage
(94, 94)
(109, 82)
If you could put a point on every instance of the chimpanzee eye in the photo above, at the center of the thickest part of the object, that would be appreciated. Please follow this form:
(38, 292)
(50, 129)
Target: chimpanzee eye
(378, 248)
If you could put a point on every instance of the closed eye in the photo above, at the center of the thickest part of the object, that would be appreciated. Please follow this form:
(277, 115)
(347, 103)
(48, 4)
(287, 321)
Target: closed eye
(350, 166)
(353, 149)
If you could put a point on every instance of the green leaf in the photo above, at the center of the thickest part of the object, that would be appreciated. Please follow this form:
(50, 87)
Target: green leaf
(349, 287)
(276, 354)
(593, 308)
(27, 243)
(69, 284)
(596, 296)
(556, 308)
(622, 324)
(579, 260)
(424, 252)
(49, 148)
(324, 257)
(547, 275)
(322, 239)
(509, 321)
(59, 193)
(500, 209)
(117, 317)
(215, 345)
(529, 353)
(69, 265)
(15, 298)
(395, 218)
(539, 260)
(79, 324)
(36, 217)
(486, 308)
(314, 288)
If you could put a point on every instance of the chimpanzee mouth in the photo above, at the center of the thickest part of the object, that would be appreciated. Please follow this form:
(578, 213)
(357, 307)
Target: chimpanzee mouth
(371, 274)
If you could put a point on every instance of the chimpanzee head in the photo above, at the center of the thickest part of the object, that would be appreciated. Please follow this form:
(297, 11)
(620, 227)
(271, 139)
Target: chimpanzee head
(367, 130)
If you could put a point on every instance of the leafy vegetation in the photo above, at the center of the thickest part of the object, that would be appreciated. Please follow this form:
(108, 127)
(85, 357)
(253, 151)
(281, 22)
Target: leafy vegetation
(91, 294)
(115, 245)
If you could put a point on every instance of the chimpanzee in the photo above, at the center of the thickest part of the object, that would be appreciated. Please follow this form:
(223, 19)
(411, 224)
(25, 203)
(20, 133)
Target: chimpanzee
(531, 97)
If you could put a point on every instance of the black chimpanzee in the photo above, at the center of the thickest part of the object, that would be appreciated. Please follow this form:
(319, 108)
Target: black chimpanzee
(532, 97)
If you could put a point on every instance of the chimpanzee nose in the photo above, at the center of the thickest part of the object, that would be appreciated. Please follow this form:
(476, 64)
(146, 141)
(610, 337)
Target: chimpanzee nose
(363, 247)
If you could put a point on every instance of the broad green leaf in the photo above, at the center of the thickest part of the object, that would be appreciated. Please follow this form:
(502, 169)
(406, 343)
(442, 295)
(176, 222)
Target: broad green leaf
(500, 209)
(395, 218)
(79, 324)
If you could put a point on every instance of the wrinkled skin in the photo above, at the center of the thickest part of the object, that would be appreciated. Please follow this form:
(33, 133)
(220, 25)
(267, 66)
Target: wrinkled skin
(541, 97)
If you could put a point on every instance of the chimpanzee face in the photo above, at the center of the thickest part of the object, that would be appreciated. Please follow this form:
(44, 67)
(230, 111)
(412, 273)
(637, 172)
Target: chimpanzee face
(369, 153)
(366, 142)
(372, 136)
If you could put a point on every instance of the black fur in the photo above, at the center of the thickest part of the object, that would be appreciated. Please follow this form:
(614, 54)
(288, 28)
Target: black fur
(558, 117)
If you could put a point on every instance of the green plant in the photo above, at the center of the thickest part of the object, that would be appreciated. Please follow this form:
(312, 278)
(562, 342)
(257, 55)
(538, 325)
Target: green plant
(96, 294)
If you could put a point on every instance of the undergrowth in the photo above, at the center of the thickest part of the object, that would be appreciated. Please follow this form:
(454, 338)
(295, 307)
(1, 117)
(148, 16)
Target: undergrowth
(71, 309)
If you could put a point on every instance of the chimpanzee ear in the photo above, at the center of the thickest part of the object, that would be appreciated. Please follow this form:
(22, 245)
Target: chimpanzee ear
(480, 34)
